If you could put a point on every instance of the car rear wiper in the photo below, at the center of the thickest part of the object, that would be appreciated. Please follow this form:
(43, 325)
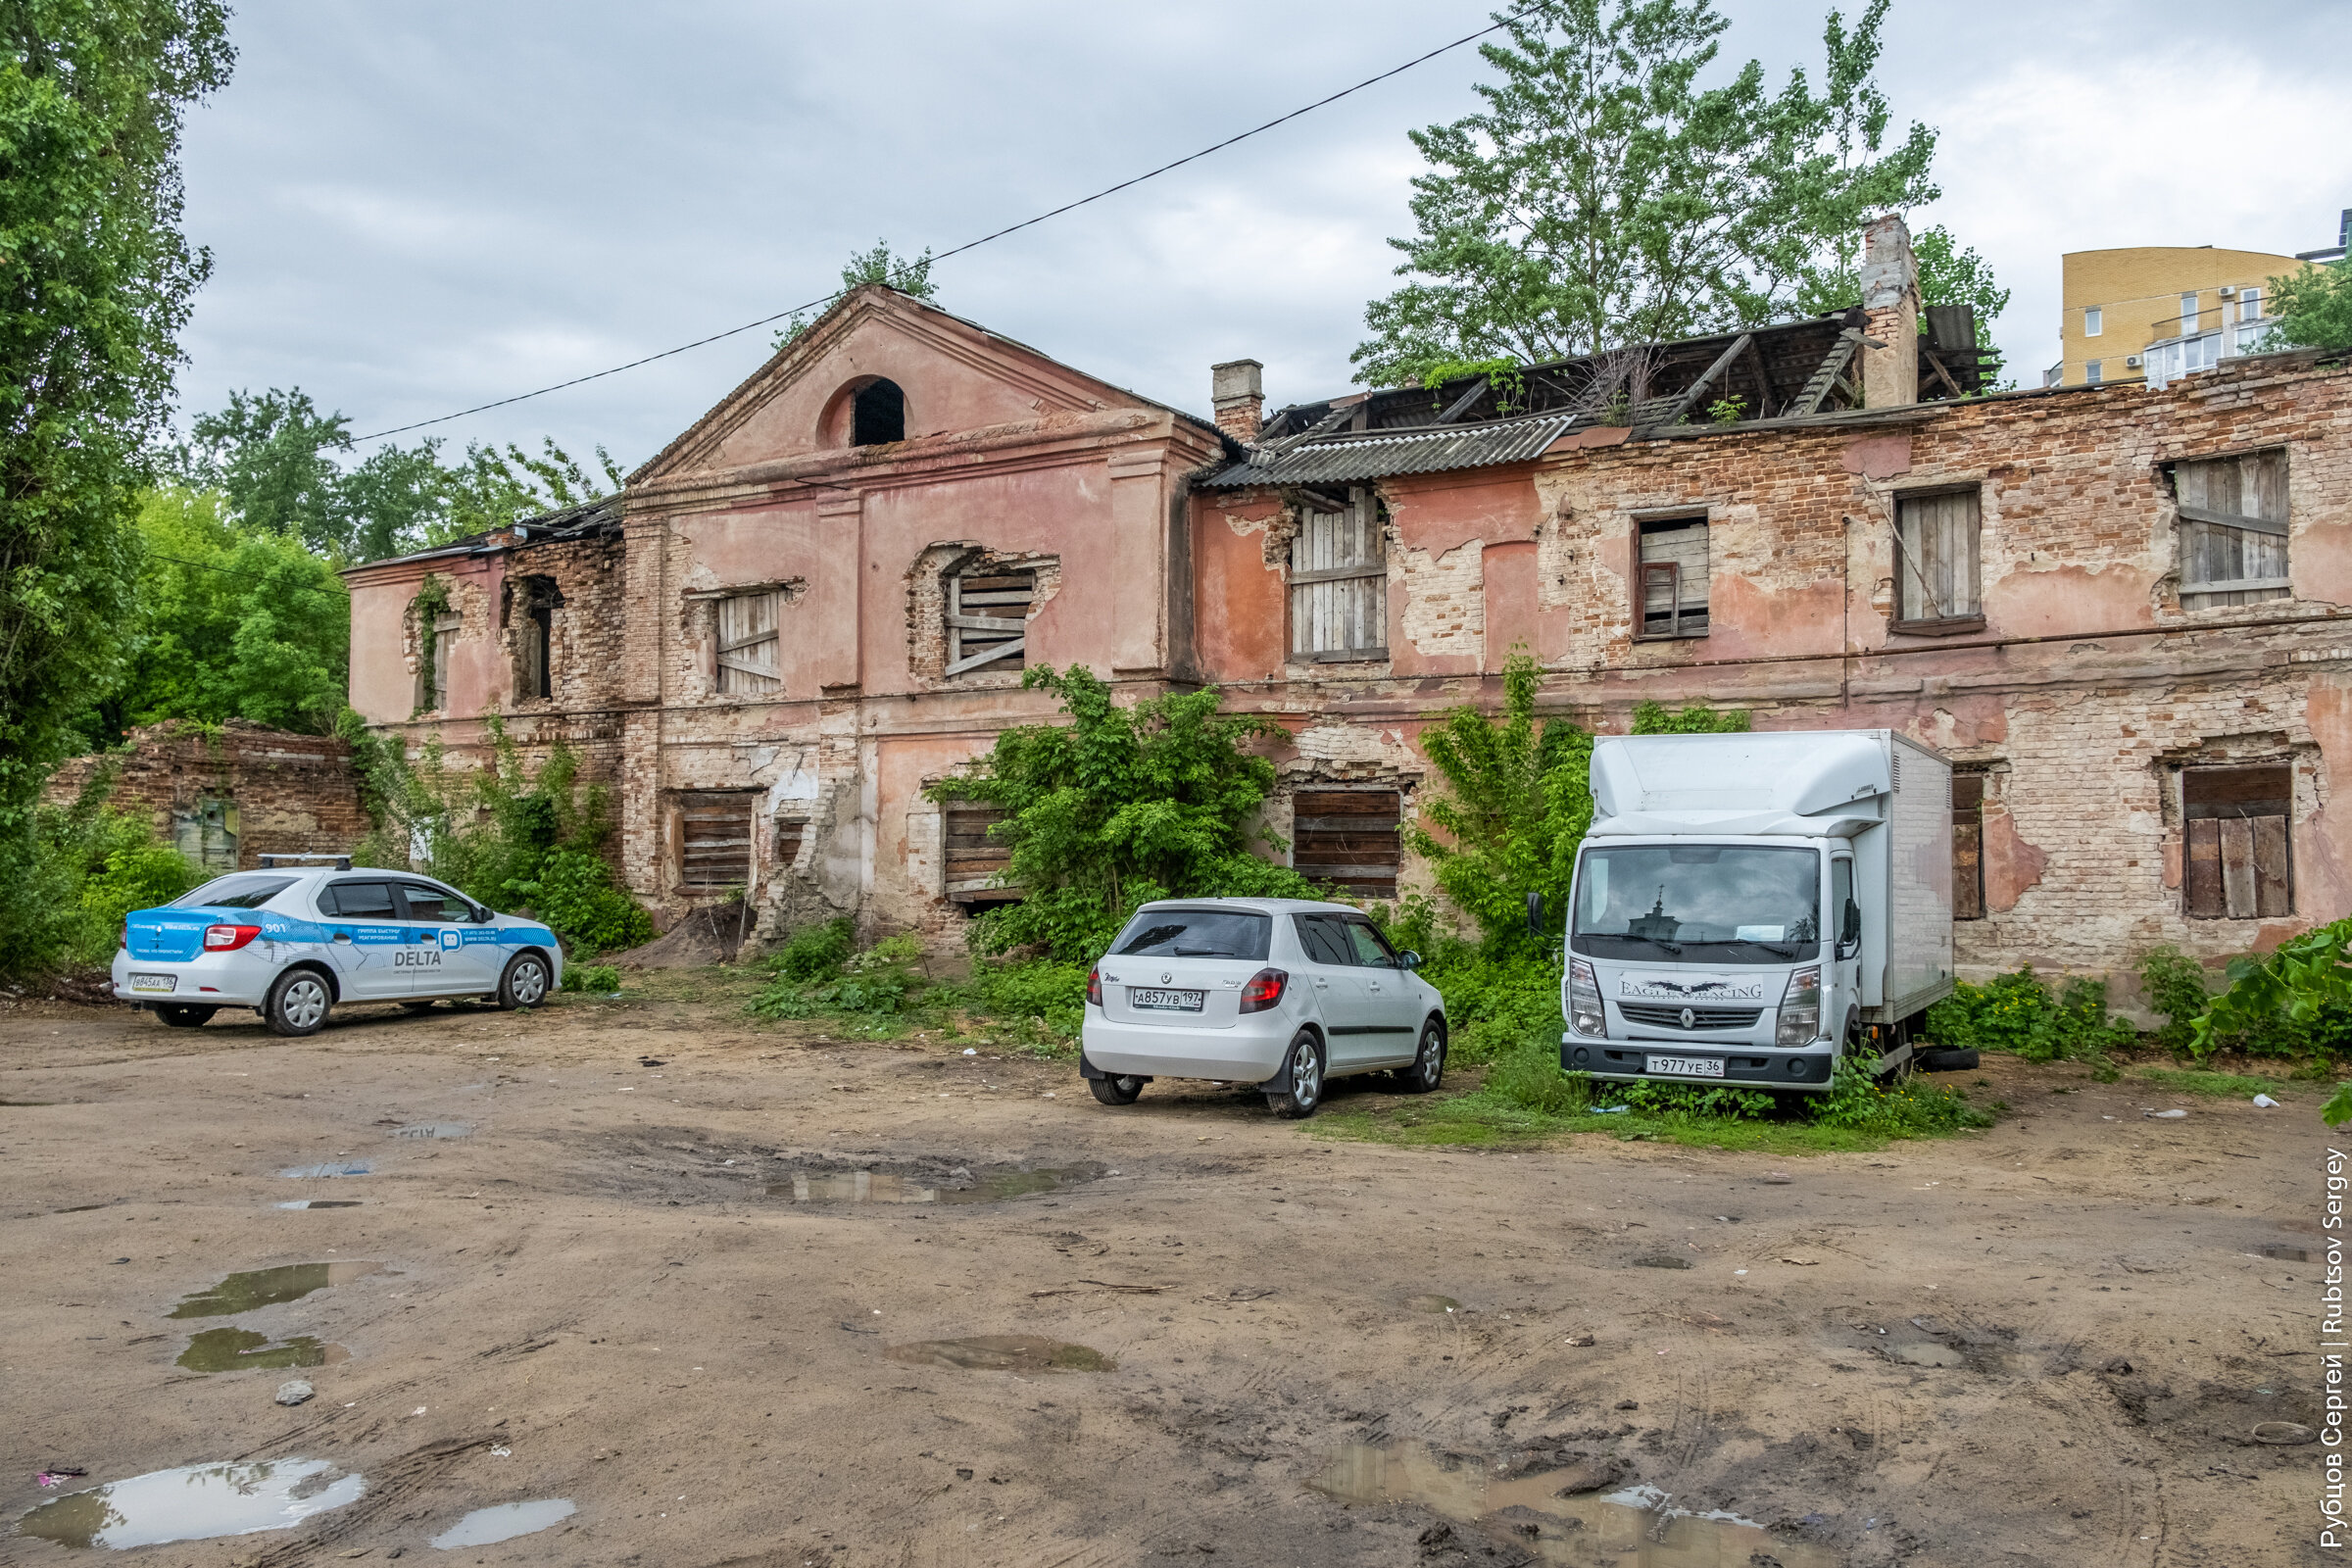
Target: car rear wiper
(1204, 952)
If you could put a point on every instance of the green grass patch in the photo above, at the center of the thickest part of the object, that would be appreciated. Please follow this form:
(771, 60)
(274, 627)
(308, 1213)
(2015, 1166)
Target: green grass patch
(2218, 1084)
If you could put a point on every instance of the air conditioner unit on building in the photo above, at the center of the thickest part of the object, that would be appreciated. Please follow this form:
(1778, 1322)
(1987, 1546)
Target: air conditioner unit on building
(2228, 290)
(2132, 361)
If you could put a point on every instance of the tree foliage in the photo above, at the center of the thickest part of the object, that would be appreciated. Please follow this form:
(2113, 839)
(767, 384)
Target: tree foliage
(908, 274)
(2315, 307)
(1120, 807)
(1602, 196)
(95, 283)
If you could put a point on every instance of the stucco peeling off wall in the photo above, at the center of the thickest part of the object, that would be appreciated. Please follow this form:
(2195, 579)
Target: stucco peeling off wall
(1330, 743)
(1444, 600)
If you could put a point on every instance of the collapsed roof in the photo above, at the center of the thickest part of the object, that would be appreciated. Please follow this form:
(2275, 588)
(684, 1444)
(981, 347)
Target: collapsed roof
(1790, 369)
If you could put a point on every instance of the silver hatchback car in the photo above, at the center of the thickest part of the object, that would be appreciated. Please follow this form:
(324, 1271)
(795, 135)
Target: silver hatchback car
(1279, 992)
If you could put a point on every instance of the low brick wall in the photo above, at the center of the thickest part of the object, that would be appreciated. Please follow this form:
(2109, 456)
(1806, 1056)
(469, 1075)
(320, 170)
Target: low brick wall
(233, 796)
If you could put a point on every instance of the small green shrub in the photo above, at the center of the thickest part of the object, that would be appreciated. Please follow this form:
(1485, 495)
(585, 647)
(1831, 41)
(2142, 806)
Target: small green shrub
(2017, 1014)
(1038, 991)
(815, 951)
(1533, 1080)
(88, 866)
(1911, 1109)
(2173, 984)
(591, 977)
(816, 975)
(1694, 1101)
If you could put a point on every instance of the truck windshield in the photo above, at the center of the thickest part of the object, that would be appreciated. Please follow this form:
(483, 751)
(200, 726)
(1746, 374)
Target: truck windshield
(1722, 903)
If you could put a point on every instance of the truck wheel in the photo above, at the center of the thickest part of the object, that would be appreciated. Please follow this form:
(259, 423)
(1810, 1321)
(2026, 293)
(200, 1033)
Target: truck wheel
(1428, 1063)
(1116, 1091)
(297, 1003)
(524, 984)
(1305, 1074)
(1951, 1058)
(184, 1016)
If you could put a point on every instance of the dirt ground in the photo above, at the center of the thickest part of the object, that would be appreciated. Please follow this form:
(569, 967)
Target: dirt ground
(2044, 1344)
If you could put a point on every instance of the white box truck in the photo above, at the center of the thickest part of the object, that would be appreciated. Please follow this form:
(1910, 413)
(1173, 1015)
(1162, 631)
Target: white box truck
(1748, 909)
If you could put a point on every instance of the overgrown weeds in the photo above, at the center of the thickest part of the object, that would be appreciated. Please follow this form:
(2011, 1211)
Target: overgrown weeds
(2020, 1014)
(883, 992)
(89, 865)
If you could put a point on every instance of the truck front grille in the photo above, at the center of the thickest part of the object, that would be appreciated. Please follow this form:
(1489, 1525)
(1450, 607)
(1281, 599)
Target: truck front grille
(1666, 1017)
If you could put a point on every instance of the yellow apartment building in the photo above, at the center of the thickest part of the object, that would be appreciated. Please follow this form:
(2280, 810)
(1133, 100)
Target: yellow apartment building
(2120, 302)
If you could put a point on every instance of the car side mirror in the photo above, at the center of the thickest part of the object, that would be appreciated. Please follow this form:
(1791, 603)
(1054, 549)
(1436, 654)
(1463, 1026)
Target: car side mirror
(483, 915)
(1409, 960)
(1535, 914)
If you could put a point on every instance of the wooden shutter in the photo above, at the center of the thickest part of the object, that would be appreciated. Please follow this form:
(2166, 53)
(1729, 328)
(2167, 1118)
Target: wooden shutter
(2239, 865)
(1935, 557)
(748, 644)
(988, 620)
(445, 632)
(1673, 579)
(973, 856)
(1350, 837)
(715, 838)
(1968, 845)
(2233, 529)
(1339, 583)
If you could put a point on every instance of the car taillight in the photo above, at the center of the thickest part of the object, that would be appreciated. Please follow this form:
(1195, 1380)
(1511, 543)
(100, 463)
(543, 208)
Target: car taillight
(1265, 991)
(228, 938)
(1094, 988)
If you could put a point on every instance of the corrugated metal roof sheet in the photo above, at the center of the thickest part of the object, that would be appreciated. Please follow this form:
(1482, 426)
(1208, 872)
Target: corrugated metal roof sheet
(1352, 455)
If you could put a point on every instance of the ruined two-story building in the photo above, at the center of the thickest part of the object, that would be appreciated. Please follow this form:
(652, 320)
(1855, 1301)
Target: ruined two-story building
(2127, 615)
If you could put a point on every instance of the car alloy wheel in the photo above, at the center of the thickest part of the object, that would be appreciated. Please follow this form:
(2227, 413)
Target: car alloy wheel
(526, 983)
(1428, 1063)
(1306, 1079)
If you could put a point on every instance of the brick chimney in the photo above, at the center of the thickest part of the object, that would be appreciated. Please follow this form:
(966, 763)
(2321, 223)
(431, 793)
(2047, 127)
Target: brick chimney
(1236, 391)
(1890, 297)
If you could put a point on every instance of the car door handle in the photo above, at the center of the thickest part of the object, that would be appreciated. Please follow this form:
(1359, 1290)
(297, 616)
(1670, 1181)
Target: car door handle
(1322, 985)
(342, 936)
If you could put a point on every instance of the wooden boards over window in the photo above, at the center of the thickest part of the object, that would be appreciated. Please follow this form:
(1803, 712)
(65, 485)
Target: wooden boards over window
(988, 620)
(2239, 864)
(2233, 529)
(1935, 561)
(715, 838)
(1673, 586)
(973, 856)
(1968, 845)
(1350, 837)
(1339, 583)
(749, 643)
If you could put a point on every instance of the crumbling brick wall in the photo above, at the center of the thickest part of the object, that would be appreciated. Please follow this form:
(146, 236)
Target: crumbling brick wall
(289, 794)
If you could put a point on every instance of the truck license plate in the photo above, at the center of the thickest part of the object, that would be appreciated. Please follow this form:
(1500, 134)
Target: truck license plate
(1166, 1001)
(1688, 1066)
(154, 982)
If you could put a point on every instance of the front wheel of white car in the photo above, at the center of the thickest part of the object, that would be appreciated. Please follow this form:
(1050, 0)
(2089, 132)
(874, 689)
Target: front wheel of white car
(1429, 1063)
(297, 1003)
(1304, 1074)
(524, 984)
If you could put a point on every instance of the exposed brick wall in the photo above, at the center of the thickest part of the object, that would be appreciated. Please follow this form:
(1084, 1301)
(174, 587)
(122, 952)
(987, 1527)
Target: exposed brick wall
(292, 794)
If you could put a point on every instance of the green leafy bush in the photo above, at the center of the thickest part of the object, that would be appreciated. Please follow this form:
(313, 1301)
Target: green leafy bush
(87, 867)
(1914, 1109)
(815, 951)
(2297, 1002)
(1038, 991)
(591, 977)
(2017, 1013)
(1531, 1079)
(2174, 985)
(819, 977)
(1693, 1099)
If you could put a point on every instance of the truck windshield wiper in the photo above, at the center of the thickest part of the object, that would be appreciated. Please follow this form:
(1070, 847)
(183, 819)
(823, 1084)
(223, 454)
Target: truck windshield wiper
(1778, 952)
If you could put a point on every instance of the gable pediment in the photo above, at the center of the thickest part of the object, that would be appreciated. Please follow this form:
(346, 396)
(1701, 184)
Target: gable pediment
(954, 377)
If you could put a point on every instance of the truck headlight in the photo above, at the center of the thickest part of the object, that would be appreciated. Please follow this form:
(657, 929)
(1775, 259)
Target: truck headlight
(1800, 1009)
(1584, 999)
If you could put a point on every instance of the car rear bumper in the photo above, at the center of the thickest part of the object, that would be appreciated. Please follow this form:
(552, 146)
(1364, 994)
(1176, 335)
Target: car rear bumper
(1805, 1070)
(1249, 1053)
(216, 980)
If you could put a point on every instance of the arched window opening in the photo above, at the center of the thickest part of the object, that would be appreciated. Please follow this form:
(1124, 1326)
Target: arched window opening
(878, 415)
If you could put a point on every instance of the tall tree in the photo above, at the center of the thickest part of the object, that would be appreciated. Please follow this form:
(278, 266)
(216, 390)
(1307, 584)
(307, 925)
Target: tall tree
(908, 274)
(271, 453)
(1603, 197)
(2314, 307)
(95, 283)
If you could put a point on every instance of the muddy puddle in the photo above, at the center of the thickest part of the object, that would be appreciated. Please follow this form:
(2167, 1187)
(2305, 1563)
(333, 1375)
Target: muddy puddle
(234, 1349)
(1002, 1353)
(269, 1287)
(957, 1186)
(322, 1171)
(194, 1502)
(433, 1129)
(1637, 1528)
(318, 1203)
(488, 1526)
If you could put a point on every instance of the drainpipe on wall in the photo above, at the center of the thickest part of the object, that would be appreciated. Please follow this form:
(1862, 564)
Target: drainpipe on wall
(1236, 391)
(1890, 297)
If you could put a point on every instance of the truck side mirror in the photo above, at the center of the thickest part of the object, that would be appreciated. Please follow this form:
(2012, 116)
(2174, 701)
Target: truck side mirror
(1535, 914)
(1850, 935)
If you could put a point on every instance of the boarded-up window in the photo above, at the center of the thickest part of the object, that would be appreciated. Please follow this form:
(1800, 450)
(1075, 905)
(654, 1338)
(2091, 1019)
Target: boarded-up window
(974, 856)
(2239, 865)
(715, 838)
(532, 625)
(1350, 837)
(1968, 845)
(1339, 583)
(748, 642)
(445, 637)
(988, 620)
(1673, 581)
(2233, 529)
(206, 832)
(1936, 559)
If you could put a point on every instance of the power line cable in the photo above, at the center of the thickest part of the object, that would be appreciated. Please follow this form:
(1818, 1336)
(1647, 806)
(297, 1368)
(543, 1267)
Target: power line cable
(968, 245)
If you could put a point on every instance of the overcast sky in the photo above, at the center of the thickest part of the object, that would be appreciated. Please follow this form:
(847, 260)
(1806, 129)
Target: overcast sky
(415, 206)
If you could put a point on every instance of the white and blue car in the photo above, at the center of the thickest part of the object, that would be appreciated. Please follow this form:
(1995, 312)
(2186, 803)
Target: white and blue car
(292, 942)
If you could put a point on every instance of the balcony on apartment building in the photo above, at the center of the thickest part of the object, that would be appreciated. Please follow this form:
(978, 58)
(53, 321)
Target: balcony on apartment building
(2199, 339)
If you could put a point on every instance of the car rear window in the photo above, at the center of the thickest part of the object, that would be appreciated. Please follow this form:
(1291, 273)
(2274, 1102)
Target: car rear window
(244, 892)
(1325, 943)
(359, 901)
(1196, 934)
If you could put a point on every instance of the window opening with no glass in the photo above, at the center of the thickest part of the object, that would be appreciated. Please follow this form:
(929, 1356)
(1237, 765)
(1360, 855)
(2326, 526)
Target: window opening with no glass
(1673, 582)
(1340, 582)
(2233, 529)
(2240, 862)
(1968, 845)
(1350, 837)
(1935, 561)
(206, 832)
(715, 838)
(878, 415)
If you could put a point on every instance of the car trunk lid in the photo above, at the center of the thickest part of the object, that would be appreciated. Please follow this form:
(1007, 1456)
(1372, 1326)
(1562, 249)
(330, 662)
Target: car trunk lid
(167, 935)
(1175, 991)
